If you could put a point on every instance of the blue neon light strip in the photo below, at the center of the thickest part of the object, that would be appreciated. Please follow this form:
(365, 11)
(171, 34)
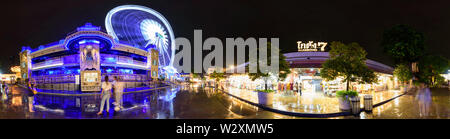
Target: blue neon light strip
(87, 35)
(47, 66)
(89, 41)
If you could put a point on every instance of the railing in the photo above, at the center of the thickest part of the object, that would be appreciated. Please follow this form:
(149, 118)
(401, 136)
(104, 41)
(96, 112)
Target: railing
(67, 83)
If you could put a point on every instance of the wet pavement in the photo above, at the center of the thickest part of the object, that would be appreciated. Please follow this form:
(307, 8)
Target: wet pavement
(196, 102)
(309, 102)
(412, 106)
(183, 102)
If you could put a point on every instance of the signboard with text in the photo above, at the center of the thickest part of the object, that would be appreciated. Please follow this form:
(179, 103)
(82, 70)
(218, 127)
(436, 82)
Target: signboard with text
(90, 80)
(311, 46)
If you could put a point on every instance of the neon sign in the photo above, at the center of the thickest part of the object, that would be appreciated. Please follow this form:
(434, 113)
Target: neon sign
(311, 46)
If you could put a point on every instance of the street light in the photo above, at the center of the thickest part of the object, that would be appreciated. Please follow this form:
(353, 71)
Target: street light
(231, 67)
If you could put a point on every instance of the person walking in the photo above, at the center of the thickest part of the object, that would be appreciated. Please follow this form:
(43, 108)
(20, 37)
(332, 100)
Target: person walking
(5, 88)
(106, 94)
(448, 84)
(300, 88)
(31, 92)
(1, 88)
(4, 91)
(423, 96)
(295, 90)
(118, 91)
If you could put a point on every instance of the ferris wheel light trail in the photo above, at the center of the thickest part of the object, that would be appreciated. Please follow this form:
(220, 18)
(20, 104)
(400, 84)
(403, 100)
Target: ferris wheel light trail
(143, 28)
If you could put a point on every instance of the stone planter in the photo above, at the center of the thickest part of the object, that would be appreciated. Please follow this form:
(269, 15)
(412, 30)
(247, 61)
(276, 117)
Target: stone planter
(344, 103)
(265, 98)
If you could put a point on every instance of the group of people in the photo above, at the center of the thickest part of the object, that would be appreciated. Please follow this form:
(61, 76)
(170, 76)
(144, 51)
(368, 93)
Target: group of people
(297, 87)
(107, 88)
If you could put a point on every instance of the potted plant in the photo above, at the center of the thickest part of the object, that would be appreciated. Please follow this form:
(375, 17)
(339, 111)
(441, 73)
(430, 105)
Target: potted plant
(265, 97)
(344, 99)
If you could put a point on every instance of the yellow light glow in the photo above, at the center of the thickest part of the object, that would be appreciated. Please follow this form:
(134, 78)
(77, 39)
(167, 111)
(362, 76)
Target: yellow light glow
(15, 68)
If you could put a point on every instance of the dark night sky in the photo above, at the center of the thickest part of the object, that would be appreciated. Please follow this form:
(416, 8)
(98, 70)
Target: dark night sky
(34, 23)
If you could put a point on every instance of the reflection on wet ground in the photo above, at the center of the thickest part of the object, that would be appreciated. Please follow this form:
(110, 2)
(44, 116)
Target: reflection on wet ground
(414, 106)
(197, 102)
(311, 102)
(186, 102)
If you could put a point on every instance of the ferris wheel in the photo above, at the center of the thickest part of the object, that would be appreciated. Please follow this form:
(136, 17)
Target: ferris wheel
(143, 28)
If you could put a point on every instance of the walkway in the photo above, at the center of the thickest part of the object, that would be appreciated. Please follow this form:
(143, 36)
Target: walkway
(182, 102)
(316, 103)
(197, 102)
(410, 106)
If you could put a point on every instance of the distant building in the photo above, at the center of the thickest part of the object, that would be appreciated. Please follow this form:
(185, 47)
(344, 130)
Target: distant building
(8, 78)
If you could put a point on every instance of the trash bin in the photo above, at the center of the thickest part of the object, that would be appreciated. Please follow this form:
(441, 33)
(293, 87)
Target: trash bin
(368, 104)
(355, 105)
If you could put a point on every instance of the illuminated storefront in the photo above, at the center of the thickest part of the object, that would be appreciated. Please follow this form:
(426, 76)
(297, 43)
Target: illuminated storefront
(16, 70)
(306, 66)
(446, 76)
(7, 78)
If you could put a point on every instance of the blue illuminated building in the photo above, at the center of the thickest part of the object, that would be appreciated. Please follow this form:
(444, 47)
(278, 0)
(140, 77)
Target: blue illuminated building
(138, 46)
(56, 66)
